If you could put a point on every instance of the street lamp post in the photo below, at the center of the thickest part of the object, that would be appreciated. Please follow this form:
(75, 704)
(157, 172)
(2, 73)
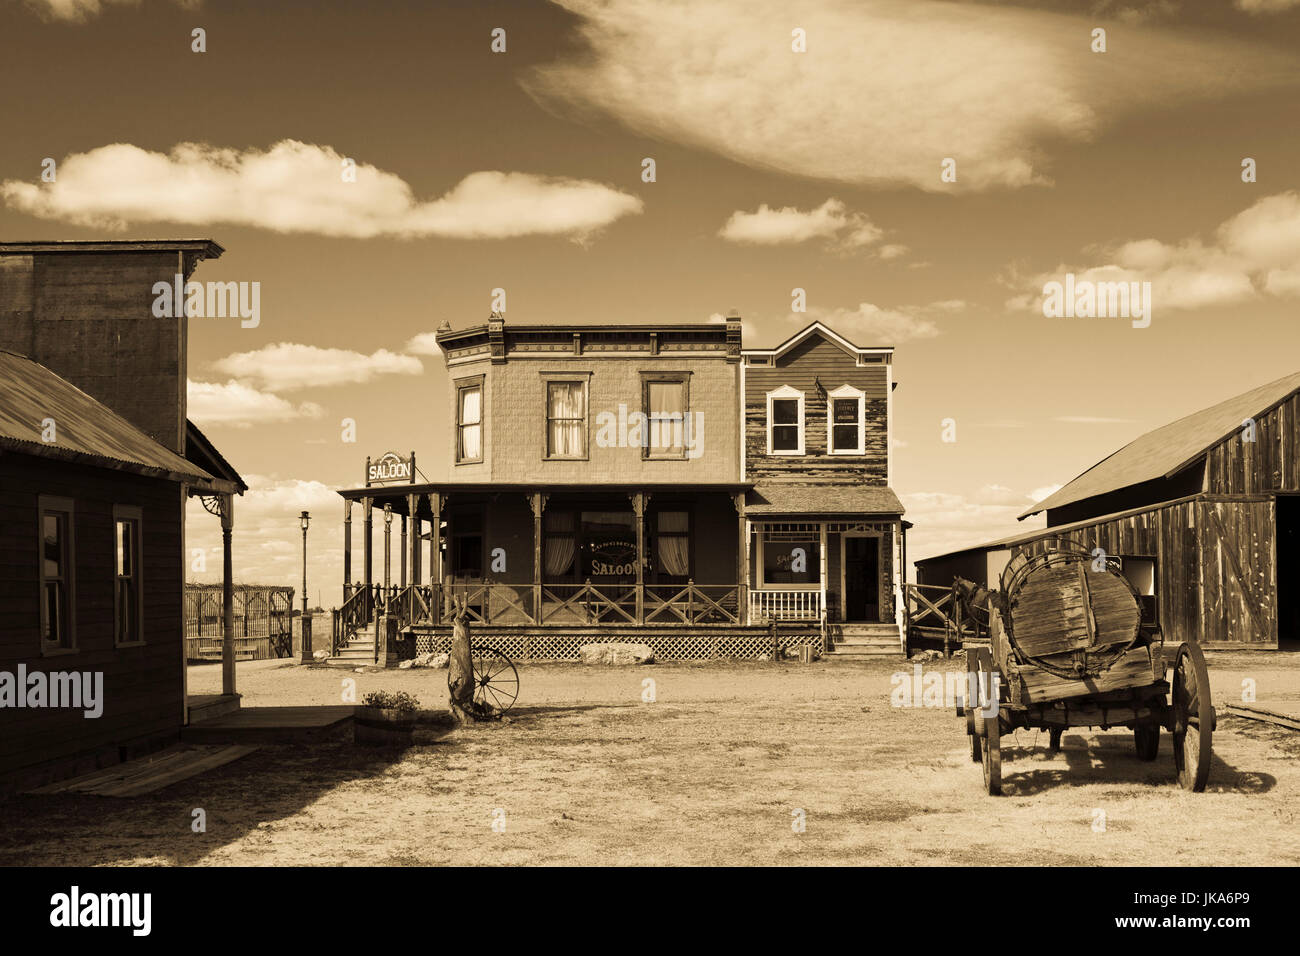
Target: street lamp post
(305, 650)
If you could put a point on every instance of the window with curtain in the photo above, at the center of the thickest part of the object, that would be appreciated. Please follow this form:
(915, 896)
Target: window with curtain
(608, 548)
(127, 601)
(673, 544)
(559, 545)
(566, 419)
(666, 418)
(469, 422)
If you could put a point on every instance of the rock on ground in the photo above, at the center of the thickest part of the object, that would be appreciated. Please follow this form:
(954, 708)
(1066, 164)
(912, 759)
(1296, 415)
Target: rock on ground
(616, 653)
(426, 660)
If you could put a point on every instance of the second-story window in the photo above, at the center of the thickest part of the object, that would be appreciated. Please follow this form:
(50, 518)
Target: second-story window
(566, 419)
(785, 421)
(469, 421)
(846, 407)
(667, 415)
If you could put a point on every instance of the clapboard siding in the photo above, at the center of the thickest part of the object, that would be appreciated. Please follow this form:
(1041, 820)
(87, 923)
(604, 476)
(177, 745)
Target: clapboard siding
(813, 360)
(143, 686)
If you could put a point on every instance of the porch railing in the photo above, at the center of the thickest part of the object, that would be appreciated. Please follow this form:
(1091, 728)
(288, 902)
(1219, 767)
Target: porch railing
(785, 604)
(491, 602)
(933, 613)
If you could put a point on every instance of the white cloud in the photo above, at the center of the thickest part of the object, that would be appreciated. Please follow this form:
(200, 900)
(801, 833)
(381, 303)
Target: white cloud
(946, 522)
(869, 324)
(887, 88)
(1267, 6)
(1256, 252)
(1091, 420)
(788, 225)
(426, 343)
(79, 11)
(237, 405)
(285, 366)
(298, 187)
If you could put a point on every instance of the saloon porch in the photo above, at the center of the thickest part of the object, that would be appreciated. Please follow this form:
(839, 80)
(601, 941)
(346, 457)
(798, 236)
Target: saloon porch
(670, 561)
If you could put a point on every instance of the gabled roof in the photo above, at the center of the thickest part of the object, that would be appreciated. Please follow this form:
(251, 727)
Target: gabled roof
(1167, 450)
(85, 431)
(798, 498)
(816, 328)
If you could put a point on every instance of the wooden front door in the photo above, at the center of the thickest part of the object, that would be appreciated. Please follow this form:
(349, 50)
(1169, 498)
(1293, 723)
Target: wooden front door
(861, 578)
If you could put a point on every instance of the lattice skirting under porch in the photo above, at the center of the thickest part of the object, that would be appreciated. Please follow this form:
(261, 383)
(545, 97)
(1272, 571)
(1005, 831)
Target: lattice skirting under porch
(743, 643)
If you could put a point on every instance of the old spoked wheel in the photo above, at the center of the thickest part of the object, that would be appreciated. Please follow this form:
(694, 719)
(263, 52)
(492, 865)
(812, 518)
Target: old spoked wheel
(1193, 718)
(992, 734)
(496, 682)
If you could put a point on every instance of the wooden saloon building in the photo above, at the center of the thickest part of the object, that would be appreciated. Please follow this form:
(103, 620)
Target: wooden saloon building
(97, 459)
(1202, 515)
(658, 484)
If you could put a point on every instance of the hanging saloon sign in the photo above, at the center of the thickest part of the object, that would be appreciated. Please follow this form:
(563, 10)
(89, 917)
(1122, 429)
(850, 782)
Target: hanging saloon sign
(390, 468)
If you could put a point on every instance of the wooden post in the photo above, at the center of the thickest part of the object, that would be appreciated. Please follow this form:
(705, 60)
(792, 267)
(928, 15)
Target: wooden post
(742, 559)
(823, 573)
(401, 580)
(347, 550)
(435, 556)
(638, 508)
(538, 504)
(411, 553)
(227, 596)
(388, 550)
(367, 550)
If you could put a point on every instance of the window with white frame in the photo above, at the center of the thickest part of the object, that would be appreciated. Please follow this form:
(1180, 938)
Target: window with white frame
(846, 409)
(785, 421)
(128, 594)
(469, 420)
(566, 419)
(55, 559)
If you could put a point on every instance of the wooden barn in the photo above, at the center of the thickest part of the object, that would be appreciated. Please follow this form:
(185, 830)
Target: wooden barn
(1202, 515)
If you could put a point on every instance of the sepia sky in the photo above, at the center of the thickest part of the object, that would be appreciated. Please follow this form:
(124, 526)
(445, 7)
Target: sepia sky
(775, 170)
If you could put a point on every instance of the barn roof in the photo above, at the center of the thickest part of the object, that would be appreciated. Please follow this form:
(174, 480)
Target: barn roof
(1169, 449)
(85, 430)
(797, 498)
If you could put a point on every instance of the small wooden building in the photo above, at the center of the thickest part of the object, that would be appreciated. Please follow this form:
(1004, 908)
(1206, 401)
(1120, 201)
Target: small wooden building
(97, 459)
(1202, 514)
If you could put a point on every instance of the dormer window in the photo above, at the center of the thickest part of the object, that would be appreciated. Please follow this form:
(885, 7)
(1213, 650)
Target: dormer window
(785, 421)
(846, 409)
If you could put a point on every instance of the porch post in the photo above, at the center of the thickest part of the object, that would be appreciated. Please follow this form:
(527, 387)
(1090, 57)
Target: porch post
(388, 549)
(435, 556)
(742, 559)
(347, 549)
(227, 596)
(401, 580)
(413, 555)
(538, 504)
(368, 548)
(824, 564)
(638, 508)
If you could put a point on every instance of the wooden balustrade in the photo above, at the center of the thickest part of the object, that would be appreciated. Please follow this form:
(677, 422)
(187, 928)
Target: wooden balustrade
(785, 604)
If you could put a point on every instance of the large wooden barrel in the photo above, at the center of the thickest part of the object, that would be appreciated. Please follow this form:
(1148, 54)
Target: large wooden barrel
(1069, 612)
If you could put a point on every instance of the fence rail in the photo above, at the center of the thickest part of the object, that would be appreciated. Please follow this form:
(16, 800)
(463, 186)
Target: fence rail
(785, 604)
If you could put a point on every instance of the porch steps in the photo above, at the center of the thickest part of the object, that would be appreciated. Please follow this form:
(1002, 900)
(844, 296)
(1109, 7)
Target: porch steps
(356, 650)
(866, 640)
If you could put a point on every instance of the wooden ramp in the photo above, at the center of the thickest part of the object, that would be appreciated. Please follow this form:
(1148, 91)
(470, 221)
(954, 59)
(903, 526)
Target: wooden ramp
(149, 773)
(272, 725)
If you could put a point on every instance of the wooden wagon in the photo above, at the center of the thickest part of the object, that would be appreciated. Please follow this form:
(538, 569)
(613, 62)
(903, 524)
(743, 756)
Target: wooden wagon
(1067, 649)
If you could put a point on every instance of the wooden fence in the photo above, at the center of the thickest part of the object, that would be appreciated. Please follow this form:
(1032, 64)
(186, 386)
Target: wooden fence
(263, 621)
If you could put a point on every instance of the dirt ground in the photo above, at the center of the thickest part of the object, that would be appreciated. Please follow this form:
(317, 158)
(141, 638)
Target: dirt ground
(718, 769)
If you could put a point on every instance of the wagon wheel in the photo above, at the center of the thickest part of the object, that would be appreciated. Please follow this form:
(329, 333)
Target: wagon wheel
(1054, 739)
(992, 733)
(496, 682)
(1193, 718)
(1146, 738)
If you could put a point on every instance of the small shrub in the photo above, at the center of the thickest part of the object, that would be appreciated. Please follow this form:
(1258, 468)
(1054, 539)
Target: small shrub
(390, 700)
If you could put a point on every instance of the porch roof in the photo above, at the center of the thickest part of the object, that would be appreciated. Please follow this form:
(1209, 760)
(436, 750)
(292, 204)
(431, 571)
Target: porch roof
(396, 494)
(799, 498)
